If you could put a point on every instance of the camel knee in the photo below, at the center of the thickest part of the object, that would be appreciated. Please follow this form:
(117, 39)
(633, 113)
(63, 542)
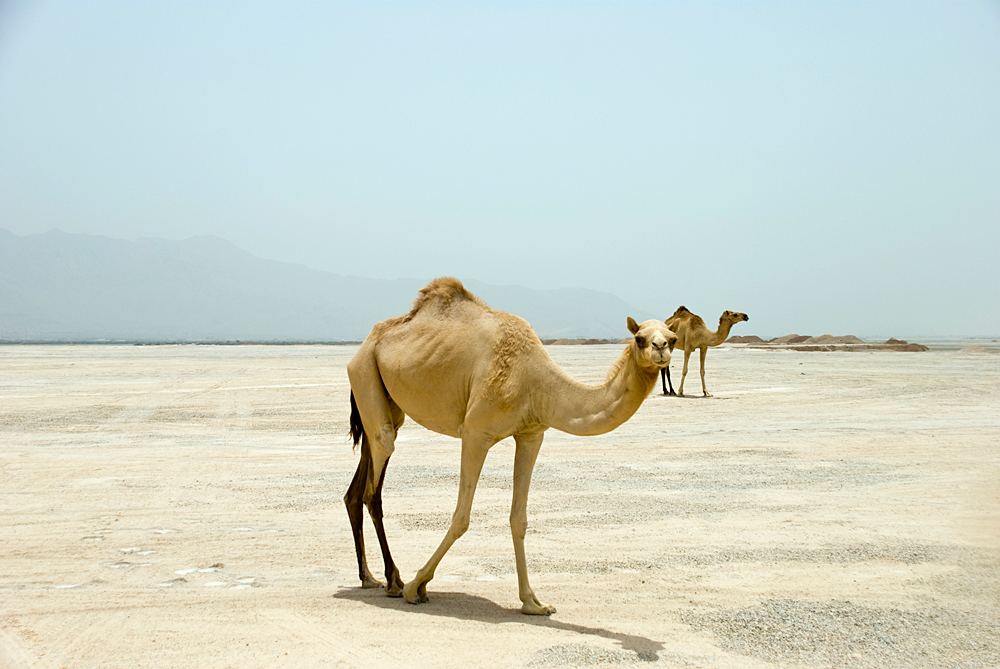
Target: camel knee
(459, 526)
(518, 527)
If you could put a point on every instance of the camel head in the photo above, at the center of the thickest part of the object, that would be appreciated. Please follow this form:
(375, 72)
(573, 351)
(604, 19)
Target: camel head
(733, 317)
(653, 342)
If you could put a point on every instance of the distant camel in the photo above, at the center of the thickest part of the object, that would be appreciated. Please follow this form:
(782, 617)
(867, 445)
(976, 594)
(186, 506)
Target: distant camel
(692, 334)
(462, 369)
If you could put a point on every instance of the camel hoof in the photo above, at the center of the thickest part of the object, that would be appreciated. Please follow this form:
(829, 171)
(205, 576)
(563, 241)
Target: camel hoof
(537, 609)
(394, 588)
(370, 582)
(414, 594)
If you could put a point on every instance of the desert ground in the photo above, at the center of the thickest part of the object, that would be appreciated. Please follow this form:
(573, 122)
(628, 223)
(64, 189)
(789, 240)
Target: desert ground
(181, 506)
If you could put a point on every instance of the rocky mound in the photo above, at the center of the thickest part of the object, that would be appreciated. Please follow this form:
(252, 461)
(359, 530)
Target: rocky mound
(795, 342)
(749, 339)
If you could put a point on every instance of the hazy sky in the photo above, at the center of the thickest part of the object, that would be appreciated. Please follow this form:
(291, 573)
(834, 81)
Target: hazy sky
(826, 167)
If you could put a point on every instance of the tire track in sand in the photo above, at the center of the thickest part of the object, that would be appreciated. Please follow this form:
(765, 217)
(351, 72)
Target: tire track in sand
(302, 628)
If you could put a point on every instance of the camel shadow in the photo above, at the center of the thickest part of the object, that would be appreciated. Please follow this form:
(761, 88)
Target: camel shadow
(692, 397)
(687, 397)
(464, 606)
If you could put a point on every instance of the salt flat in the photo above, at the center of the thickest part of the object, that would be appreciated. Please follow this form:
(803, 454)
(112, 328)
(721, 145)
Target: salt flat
(181, 506)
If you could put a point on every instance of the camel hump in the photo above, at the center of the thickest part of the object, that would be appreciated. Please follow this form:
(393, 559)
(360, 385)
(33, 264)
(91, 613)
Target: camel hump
(681, 310)
(445, 288)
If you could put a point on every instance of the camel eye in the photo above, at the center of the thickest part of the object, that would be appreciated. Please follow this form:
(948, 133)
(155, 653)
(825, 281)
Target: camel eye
(640, 341)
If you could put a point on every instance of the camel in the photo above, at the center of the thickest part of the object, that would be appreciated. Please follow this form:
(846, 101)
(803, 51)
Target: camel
(692, 333)
(459, 368)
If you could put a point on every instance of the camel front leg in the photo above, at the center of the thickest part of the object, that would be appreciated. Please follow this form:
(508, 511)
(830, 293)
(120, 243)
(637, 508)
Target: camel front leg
(524, 464)
(474, 450)
(684, 373)
(701, 368)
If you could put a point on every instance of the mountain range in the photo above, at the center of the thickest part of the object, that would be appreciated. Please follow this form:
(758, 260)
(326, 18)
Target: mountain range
(57, 286)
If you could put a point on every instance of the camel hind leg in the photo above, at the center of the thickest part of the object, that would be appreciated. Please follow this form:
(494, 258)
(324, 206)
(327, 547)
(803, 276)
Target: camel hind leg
(393, 581)
(354, 501)
(665, 380)
(366, 490)
(684, 373)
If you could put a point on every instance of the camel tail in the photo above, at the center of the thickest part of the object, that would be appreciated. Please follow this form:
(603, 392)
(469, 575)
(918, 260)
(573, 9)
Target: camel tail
(357, 428)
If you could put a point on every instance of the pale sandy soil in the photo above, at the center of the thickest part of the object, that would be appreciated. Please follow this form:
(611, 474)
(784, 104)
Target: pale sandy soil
(181, 507)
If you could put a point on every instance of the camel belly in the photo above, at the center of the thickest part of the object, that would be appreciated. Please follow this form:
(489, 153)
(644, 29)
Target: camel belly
(448, 430)
(437, 407)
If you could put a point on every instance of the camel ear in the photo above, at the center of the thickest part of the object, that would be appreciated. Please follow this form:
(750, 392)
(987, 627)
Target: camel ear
(633, 327)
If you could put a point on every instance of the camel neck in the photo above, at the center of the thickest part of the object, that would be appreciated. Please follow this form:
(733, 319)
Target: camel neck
(576, 408)
(721, 333)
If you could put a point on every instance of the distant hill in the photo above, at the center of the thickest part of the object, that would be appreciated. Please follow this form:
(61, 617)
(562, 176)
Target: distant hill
(58, 286)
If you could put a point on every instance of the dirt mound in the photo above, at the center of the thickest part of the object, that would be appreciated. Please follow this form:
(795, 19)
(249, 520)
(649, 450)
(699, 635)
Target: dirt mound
(902, 345)
(830, 339)
(789, 339)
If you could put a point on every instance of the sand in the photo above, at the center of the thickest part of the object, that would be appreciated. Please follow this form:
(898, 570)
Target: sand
(181, 506)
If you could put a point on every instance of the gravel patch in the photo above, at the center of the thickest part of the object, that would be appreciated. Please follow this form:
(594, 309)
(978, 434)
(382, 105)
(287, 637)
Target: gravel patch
(899, 553)
(842, 634)
(583, 655)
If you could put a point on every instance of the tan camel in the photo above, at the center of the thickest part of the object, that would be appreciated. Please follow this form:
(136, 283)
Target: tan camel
(462, 369)
(692, 333)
